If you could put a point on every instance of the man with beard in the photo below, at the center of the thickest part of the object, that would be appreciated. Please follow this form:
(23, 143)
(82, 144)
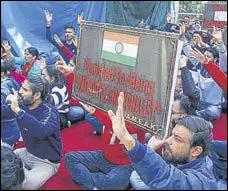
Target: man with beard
(184, 163)
(39, 125)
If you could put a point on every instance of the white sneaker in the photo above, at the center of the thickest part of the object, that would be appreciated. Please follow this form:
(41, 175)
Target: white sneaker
(68, 124)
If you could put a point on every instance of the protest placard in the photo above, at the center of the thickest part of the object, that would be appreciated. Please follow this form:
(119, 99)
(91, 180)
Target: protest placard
(141, 63)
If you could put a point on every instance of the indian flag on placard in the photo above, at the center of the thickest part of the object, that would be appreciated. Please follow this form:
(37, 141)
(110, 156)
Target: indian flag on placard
(121, 48)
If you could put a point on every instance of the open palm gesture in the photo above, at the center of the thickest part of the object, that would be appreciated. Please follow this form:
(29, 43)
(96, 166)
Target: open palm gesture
(217, 33)
(80, 18)
(6, 45)
(48, 17)
(118, 122)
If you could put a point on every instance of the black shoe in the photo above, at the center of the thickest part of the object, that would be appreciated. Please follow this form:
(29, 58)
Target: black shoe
(96, 133)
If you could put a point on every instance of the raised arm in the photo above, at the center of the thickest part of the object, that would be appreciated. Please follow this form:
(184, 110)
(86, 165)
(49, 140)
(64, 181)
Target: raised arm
(216, 73)
(186, 46)
(7, 48)
(15, 60)
(189, 87)
(66, 52)
(217, 34)
(48, 27)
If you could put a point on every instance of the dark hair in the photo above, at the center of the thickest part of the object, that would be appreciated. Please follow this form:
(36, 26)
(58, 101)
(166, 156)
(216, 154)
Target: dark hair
(69, 27)
(214, 52)
(186, 16)
(51, 57)
(39, 84)
(12, 172)
(53, 72)
(7, 66)
(202, 132)
(33, 51)
(185, 104)
(198, 32)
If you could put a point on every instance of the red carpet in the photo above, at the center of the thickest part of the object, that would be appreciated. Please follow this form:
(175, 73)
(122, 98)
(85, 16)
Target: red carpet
(220, 128)
(78, 137)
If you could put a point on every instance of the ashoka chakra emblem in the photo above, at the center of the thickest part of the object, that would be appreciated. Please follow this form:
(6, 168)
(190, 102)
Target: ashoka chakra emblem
(119, 47)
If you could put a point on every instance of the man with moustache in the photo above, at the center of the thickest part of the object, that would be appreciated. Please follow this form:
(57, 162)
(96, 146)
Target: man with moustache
(184, 164)
(39, 125)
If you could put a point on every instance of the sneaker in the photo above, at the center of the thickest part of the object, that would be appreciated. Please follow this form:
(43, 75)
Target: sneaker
(68, 124)
(96, 133)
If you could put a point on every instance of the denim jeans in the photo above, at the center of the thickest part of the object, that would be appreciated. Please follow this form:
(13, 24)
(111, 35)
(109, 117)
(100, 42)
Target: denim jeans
(75, 113)
(9, 130)
(94, 122)
(91, 169)
(222, 184)
(137, 182)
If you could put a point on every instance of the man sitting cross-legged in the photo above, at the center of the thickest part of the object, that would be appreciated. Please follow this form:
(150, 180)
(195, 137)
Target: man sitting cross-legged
(108, 168)
(39, 125)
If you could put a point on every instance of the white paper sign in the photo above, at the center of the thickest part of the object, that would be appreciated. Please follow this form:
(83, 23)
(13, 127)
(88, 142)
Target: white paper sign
(220, 16)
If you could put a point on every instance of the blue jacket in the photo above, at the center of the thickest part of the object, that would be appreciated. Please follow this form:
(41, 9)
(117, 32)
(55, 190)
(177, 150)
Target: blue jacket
(40, 130)
(190, 89)
(157, 174)
(218, 155)
(9, 128)
(70, 47)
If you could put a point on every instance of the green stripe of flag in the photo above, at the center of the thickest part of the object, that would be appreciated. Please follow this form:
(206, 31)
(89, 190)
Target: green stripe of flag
(122, 59)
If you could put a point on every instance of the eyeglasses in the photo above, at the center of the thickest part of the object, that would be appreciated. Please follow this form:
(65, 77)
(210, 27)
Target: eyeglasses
(174, 113)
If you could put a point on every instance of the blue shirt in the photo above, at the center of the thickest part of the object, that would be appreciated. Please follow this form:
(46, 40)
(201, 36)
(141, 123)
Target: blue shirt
(40, 130)
(157, 174)
(70, 47)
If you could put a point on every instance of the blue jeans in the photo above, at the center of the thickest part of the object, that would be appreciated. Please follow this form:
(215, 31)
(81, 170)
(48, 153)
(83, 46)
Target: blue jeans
(137, 182)
(91, 169)
(75, 113)
(222, 184)
(9, 130)
(94, 122)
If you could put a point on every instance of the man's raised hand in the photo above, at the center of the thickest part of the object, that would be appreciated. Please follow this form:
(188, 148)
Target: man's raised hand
(118, 125)
(199, 56)
(183, 61)
(141, 24)
(80, 18)
(217, 33)
(182, 29)
(48, 18)
(13, 98)
(155, 143)
(57, 40)
(6, 45)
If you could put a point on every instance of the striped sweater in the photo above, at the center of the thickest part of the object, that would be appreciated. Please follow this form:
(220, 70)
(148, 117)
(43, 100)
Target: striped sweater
(58, 97)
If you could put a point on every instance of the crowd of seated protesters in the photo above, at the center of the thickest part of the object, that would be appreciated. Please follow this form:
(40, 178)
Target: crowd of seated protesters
(36, 104)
